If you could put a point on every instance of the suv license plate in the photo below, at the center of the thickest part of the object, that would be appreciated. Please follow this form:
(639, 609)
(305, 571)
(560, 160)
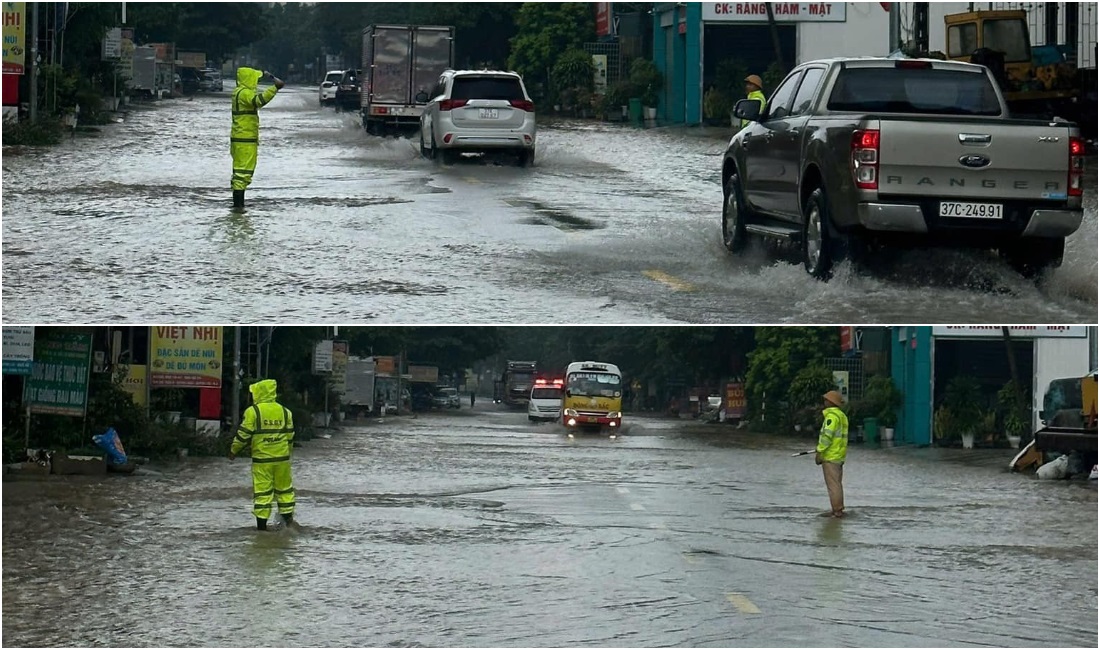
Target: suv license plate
(489, 113)
(971, 210)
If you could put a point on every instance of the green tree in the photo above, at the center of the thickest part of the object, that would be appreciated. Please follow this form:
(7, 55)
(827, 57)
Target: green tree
(217, 28)
(780, 354)
(546, 30)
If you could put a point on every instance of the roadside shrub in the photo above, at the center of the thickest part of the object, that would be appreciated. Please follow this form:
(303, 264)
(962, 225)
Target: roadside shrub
(648, 79)
(46, 131)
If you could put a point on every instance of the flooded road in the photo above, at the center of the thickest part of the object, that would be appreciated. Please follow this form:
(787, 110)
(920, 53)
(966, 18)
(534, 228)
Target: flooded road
(612, 224)
(480, 529)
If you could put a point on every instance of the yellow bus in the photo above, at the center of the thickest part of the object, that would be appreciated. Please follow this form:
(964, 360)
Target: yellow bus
(593, 396)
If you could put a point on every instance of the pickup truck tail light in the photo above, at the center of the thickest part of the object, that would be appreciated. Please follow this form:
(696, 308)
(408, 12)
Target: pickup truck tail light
(449, 104)
(865, 147)
(1075, 167)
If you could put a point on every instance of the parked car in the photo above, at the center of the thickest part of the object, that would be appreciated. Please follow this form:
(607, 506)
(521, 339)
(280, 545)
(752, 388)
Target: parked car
(905, 152)
(189, 80)
(348, 90)
(327, 91)
(478, 111)
(447, 398)
(210, 80)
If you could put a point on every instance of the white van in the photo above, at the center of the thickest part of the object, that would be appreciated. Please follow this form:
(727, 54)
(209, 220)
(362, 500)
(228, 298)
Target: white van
(545, 400)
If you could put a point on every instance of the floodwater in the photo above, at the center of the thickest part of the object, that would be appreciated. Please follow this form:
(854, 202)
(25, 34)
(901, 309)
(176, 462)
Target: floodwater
(612, 224)
(480, 529)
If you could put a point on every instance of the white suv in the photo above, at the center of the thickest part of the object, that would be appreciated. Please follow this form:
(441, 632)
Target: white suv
(328, 86)
(478, 111)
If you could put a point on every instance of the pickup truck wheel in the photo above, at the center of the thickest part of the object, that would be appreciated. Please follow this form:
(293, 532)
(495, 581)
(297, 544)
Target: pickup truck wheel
(816, 243)
(1031, 256)
(733, 212)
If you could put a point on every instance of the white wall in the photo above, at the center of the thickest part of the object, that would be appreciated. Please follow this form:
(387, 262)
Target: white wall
(865, 33)
(1057, 358)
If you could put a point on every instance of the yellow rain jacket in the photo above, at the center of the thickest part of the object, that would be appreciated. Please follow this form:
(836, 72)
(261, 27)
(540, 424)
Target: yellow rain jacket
(756, 94)
(244, 135)
(832, 445)
(268, 425)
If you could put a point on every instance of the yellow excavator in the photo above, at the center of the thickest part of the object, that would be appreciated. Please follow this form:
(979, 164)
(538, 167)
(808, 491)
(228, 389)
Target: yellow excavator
(1069, 415)
(1037, 81)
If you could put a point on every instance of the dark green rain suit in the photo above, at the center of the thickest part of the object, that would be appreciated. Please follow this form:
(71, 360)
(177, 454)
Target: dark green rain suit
(244, 136)
(269, 426)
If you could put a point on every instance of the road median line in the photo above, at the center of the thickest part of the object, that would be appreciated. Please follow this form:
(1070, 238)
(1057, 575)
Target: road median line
(741, 602)
(669, 281)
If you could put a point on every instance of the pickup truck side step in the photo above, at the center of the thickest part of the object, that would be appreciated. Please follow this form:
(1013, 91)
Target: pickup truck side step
(770, 230)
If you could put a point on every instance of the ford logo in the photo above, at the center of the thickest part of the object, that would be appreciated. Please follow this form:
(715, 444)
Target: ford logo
(974, 161)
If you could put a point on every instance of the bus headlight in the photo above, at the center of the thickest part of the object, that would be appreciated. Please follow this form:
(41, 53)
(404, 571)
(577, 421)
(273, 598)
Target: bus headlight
(571, 413)
(614, 415)
(571, 422)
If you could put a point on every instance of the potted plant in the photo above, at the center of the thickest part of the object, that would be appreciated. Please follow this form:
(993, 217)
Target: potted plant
(649, 81)
(1013, 404)
(882, 400)
(716, 107)
(963, 397)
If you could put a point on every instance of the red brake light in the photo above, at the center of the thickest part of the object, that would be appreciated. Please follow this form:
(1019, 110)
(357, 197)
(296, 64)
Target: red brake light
(910, 64)
(522, 104)
(448, 104)
(1075, 167)
(865, 147)
(539, 381)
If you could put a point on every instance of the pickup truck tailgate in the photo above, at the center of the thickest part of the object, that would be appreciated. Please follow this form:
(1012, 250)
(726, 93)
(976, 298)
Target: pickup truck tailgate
(975, 160)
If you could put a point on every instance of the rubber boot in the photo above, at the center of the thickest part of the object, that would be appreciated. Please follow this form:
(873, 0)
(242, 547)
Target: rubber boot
(238, 199)
(288, 519)
(261, 524)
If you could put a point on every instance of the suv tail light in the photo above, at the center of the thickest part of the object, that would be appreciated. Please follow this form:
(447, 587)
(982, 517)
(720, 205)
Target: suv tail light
(1075, 167)
(448, 104)
(865, 147)
(522, 104)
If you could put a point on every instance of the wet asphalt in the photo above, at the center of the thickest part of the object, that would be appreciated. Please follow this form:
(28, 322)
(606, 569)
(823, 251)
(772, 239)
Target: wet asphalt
(612, 224)
(481, 529)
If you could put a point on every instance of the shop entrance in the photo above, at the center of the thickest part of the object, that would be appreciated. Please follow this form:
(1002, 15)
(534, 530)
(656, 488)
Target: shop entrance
(748, 44)
(986, 361)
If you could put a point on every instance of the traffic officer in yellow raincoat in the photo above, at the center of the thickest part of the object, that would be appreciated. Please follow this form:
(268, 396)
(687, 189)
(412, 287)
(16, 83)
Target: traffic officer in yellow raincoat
(753, 87)
(244, 136)
(832, 449)
(269, 426)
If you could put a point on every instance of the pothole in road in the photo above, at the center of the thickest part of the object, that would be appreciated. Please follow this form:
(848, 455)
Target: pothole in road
(547, 216)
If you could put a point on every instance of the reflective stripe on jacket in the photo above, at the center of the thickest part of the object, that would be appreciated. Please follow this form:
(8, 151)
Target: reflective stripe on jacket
(246, 104)
(832, 445)
(268, 425)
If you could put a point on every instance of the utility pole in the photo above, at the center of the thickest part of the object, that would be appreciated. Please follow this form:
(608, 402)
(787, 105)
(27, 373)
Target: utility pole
(34, 62)
(894, 26)
(774, 37)
(236, 375)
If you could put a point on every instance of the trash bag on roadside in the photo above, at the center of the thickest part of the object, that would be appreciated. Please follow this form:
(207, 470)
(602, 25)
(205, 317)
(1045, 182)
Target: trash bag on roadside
(111, 444)
(1054, 469)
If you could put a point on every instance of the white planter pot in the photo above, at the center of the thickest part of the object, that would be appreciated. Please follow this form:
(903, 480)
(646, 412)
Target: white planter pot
(887, 434)
(1014, 441)
(967, 440)
(650, 113)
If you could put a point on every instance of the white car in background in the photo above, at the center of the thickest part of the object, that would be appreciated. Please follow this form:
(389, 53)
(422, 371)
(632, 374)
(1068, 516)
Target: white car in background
(328, 87)
(478, 111)
(545, 400)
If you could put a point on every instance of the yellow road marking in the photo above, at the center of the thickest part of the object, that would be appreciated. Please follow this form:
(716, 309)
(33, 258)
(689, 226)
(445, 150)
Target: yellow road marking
(623, 490)
(741, 602)
(636, 506)
(669, 280)
(470, 179)
(690, 557)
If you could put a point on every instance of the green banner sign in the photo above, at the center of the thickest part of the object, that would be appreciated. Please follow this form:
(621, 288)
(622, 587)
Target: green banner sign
(58, 383)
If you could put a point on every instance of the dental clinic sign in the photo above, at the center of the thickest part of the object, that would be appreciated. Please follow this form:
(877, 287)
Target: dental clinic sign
(785, 12)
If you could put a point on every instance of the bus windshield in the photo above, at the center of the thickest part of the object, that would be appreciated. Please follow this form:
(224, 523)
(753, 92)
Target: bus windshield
(595, 384)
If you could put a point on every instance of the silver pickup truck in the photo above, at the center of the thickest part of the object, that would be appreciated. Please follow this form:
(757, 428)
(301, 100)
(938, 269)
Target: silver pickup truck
(854, 153)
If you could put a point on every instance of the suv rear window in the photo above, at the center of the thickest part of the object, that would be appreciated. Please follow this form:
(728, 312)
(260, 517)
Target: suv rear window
(505, 88)
(917, 90)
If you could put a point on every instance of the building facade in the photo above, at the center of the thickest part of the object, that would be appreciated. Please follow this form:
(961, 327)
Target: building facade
(925, 359)
(691, 39)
